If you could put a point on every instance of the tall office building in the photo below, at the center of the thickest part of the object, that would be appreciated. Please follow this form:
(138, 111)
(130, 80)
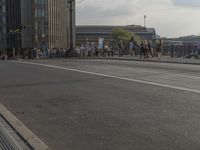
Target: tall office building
(28, 24)
(2, 25)
(61, 22)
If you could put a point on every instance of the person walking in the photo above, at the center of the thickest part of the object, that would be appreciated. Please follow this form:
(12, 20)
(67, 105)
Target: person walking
(159, 48)
(120, 47)
(132, 47)
(82, 48)
(92, 49)
(106, 47)
(150, 49)
(172, 50)
(109, 51)
(96, 51)
(86, 50)
(198, 51)
(142, 54)
(145, 49)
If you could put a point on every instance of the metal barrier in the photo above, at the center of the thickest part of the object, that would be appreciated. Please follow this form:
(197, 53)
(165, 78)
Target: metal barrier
(10, 139)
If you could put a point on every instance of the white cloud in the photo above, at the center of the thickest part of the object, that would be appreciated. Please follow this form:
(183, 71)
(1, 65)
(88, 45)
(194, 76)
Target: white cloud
(187, 3)
(167, 16)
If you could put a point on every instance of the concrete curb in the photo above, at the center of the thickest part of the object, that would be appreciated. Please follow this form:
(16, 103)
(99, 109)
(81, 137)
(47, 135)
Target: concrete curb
(26, 133)
(133, 59)
(148, 60)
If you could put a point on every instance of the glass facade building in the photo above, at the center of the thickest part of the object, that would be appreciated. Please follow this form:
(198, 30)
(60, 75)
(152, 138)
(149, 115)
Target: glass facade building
(3, 32)
(42, 24)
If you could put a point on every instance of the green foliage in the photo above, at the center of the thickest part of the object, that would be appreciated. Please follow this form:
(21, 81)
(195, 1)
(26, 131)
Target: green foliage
(137, 38)
(121, 34)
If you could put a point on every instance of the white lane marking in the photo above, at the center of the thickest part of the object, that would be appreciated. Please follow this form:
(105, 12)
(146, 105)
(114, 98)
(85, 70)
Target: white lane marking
(114, 77)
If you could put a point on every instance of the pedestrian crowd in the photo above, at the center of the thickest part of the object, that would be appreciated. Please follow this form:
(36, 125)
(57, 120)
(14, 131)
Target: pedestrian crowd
(149, 51)
(47, 53)
(92, 50)
(145, 49)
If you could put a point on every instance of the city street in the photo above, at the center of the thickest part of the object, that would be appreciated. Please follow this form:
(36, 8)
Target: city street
(91, 104)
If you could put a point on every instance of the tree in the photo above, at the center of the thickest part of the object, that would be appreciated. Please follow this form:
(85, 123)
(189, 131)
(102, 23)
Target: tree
(137, 38)
(120, 34)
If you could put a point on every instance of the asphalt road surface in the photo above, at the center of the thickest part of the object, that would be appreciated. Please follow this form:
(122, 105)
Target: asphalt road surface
(105, 104)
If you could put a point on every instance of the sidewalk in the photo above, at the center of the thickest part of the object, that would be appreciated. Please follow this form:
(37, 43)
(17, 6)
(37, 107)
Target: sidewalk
(164, 59)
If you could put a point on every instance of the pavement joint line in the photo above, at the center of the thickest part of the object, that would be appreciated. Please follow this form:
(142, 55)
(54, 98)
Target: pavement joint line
(112, 76)
(151, 60)
(23, 131)
(186, 76)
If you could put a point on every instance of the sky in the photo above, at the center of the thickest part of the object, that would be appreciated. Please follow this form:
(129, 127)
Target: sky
(170, 18)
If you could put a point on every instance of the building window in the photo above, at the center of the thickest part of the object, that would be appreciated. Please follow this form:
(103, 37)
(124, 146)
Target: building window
(40, 13)
(40, 2)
